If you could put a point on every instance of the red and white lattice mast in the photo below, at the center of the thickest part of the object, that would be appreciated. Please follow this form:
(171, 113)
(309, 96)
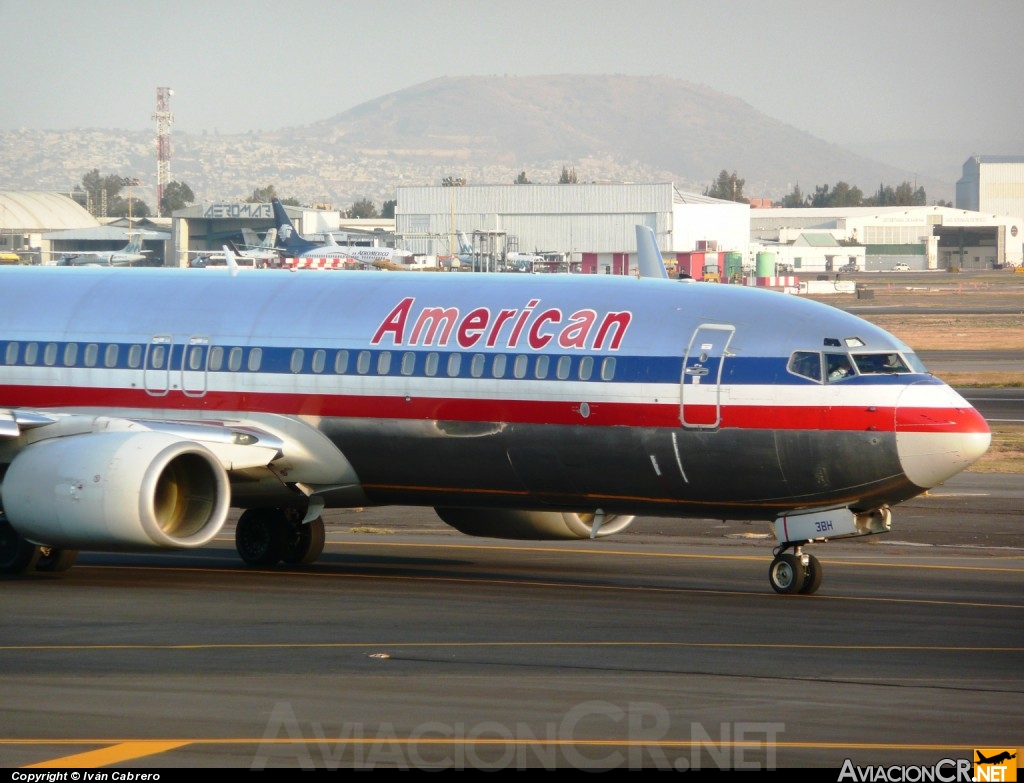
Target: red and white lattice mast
(163, 118)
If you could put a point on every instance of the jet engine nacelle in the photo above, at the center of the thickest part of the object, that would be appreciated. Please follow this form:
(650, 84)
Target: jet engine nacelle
(128, 491)
(531, 525)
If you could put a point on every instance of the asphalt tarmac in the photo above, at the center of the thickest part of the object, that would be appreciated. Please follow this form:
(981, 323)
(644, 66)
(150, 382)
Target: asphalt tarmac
(410, 645)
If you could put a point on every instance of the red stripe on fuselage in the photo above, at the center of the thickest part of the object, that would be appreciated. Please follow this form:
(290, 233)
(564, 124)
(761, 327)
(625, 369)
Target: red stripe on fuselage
(771, 417)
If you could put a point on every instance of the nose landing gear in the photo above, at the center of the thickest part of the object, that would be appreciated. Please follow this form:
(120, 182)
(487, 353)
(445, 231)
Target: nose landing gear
(795, 572)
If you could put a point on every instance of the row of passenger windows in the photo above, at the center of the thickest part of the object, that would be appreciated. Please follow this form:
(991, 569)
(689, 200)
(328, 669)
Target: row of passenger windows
(341, 362)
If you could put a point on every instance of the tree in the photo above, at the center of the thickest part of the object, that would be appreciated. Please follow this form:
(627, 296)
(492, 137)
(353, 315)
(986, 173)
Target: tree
(364, 208)
(262, 195)
(453, 182)
(104, 196)
(727, 187)
(844, 195)
(387, 209)
(568, 176)
(795, 199)
(903, 195)
(177, 195)
(522, 179)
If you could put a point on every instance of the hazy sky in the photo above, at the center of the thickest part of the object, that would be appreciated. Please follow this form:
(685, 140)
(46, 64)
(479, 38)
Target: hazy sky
(860, 71)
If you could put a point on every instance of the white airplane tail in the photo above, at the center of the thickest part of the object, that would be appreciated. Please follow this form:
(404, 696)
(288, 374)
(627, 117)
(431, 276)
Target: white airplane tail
(648, 257)
(465, 247)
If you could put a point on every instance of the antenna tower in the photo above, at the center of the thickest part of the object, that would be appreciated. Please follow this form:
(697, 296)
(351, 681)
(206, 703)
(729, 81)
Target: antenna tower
(163, 118)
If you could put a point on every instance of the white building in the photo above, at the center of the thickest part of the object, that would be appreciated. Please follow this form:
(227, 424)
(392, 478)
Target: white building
(591, 227)
(921, 237)
(993, 184)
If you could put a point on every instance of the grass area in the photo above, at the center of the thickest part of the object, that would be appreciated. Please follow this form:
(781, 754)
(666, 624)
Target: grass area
(1006, 454)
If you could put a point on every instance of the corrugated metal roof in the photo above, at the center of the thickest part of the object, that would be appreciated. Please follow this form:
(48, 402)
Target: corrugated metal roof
(820, 240)
(106, 234)
(36, 210)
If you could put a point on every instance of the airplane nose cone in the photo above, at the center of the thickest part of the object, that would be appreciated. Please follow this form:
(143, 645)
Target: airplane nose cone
(938, 433)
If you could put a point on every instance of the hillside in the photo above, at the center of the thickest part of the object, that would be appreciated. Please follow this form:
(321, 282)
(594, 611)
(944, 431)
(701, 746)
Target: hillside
(486, 129)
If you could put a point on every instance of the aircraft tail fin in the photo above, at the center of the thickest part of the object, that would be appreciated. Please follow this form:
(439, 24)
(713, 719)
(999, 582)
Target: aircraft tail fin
(230, 258)
(288, 238)
(249, 237)
(465, 246)
(134, 245)
(269, 239)
(649, 260)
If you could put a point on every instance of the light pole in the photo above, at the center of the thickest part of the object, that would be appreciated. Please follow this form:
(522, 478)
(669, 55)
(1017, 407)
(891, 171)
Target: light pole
(130, 182)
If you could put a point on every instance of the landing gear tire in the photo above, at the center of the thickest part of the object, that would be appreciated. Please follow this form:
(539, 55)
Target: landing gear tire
(812, 576)
(305, 542)
(787, 574)
(55, 560)
(16, 554)
(261, 536)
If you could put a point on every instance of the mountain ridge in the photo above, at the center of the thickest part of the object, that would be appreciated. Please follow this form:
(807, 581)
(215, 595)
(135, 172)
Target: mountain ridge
(486, 129)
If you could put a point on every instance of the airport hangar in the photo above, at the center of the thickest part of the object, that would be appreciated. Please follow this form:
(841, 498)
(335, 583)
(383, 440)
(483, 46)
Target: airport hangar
(39, 225)
(593, 226)
(586, 228)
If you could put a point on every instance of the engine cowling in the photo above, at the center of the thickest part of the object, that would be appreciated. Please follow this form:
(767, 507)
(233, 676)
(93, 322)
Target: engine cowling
(131, 491)
(531, 525)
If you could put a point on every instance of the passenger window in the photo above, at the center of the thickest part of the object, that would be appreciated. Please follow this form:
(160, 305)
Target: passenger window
(498, 367)
(520, 365)
(806, 364)
(431, 364)
(319, 360)
(255, 359)
(838, 366)
(608, 368)
(563, 367)
(92, 353)
(31, 353)
(540, 371)
(156, 357)
(50, 354)
(216, 358)
(70, 354)
(408, 363)
(363, 362)
(341, 362)
(110, 355)
(296, 364)
(135, 356)
(454, 365)
(195, 357)
(586, 368)
(384, 363)
(476, 367)
(235, 359)
(11, 355)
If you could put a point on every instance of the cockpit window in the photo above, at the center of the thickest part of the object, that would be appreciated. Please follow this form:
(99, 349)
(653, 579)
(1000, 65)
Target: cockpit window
(879, 363)
(916, 365)
(838, 366)
(806, 364)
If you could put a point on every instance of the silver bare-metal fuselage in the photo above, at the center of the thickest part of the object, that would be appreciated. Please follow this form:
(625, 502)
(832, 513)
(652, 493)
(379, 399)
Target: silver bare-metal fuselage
(567, 393)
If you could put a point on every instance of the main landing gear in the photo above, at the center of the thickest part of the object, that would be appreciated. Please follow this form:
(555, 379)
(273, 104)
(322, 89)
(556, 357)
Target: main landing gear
(795, 572)
(268, 536)
(18, 556)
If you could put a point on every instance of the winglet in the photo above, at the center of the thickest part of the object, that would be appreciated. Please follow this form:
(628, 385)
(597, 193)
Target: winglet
(230, 258)
(648, 256)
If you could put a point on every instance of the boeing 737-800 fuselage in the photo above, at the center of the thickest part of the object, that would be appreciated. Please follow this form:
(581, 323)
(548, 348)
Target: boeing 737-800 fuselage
(136, 407)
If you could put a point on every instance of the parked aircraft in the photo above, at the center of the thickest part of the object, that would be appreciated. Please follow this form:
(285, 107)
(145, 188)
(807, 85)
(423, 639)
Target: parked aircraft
(291, 245)
(130, 254)
(136, 409)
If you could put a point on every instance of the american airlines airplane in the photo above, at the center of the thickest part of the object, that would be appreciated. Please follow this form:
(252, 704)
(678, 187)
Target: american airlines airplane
(291, 245)
(137, 408)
